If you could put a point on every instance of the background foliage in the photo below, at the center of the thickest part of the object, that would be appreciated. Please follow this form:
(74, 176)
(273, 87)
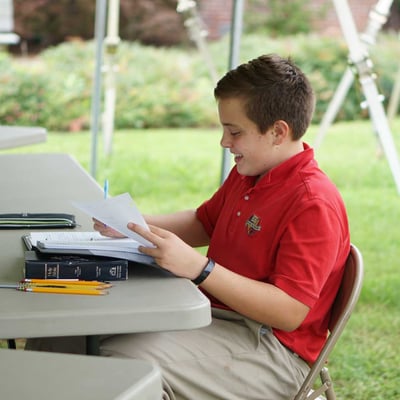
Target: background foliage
(169, 87)
(279, 17)
(43, 23)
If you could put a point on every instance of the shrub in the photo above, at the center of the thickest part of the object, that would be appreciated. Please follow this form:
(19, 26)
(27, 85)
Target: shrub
(162, 88)
(279, 17)
(169, 87)
(44, 23)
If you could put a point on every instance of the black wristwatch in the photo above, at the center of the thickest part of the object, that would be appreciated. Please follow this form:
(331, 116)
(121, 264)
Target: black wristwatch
(206, 271)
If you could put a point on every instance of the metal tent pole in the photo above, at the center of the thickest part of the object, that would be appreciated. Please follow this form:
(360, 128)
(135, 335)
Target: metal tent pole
(197, 33)
(394, 98)
(376, 19)
(111, 45)
(363, 65)
(334, 106)
(236, 32)
(96, 93)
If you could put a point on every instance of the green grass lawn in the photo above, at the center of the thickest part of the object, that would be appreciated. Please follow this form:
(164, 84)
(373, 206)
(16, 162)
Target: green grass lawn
(167, 170)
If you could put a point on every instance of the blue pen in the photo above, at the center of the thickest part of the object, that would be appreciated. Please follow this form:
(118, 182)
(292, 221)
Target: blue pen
(106, 188)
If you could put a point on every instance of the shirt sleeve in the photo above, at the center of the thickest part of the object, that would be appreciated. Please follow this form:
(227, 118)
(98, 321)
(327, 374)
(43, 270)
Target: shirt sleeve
(309, 251)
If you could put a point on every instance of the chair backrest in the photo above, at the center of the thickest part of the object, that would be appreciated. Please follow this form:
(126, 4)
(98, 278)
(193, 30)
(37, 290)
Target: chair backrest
(345, 301)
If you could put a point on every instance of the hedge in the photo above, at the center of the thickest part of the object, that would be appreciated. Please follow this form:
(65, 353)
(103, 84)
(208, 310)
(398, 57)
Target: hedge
(170, 87)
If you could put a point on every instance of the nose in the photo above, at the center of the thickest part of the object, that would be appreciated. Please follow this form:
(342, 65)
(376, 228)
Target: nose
(225, 141)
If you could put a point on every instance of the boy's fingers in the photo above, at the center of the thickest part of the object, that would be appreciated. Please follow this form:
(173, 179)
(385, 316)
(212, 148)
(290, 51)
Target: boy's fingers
(146, 234)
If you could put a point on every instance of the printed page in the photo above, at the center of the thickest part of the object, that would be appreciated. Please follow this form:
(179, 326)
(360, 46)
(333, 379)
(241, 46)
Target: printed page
(64, 236)
(104, 244)
(116, 212)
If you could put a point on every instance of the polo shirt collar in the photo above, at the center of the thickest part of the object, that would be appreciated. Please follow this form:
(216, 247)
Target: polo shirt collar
(284, 170)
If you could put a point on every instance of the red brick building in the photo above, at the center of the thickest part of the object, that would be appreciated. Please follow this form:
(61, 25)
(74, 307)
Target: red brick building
(330, 24)
(217, 15)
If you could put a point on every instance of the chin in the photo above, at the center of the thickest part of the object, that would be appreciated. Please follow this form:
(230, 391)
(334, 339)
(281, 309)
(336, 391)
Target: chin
(244, 172)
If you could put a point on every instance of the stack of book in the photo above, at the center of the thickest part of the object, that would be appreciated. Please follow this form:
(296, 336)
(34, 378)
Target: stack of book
(69, 266)
(80, 255)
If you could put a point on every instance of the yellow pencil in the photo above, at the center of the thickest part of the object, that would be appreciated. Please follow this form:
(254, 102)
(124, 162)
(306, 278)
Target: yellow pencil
(94, 292)
(69, 284)
(72, 282)
(50, 280)
(64, 286)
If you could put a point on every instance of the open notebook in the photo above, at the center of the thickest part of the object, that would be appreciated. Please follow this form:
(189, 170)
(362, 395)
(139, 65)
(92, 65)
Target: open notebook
(86, 243)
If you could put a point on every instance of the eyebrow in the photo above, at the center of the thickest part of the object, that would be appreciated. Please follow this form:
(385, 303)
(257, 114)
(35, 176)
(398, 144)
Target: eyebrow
(229, 125)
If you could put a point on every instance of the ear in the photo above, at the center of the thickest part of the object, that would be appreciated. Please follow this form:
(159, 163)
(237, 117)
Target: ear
(280, 132)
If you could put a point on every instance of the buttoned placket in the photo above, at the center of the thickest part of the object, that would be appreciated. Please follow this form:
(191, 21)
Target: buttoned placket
(246, 198)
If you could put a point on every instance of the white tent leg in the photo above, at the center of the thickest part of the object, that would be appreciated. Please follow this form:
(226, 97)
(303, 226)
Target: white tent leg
(376, 19)
(334, 106)
(359, 58)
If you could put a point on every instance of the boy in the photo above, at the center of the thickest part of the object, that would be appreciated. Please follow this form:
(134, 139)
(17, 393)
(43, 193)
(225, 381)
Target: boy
(278, 239)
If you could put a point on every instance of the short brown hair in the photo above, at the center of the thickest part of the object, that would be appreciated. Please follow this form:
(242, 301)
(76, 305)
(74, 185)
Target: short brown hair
(273, 88)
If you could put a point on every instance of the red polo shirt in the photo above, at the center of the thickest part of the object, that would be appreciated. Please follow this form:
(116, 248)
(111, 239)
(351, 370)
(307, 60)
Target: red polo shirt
(289, 229)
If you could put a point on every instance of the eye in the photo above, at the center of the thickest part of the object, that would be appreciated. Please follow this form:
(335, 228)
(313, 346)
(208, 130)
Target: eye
(235, 133)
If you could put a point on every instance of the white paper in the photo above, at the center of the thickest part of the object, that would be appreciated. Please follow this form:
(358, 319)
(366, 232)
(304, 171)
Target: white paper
(81, 240)
(116, 212)
(86, 243)
(65, 236)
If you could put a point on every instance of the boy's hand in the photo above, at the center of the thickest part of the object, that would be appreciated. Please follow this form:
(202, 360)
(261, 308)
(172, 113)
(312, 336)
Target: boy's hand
(105, 230)
(171, 252)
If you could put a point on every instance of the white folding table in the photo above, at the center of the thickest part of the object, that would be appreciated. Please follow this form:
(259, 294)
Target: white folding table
(15, 136)
(151, 300)
(40, 376)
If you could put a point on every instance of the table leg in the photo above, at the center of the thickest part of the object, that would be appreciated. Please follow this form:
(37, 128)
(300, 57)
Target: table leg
(93, 345)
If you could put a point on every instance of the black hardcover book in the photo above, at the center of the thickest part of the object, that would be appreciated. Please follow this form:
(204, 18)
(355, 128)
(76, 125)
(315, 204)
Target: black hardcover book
(67, 266)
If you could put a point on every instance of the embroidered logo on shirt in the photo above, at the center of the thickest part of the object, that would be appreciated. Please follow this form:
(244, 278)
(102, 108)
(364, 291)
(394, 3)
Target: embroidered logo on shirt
(253, 225)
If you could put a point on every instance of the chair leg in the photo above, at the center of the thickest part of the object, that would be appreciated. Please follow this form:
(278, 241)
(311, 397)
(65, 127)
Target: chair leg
(327, 381)
(11, 344)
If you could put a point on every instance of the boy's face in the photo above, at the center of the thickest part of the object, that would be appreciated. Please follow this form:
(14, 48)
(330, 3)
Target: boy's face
(255, 153)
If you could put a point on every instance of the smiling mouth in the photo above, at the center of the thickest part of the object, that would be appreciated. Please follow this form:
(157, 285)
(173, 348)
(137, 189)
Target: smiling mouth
(237, 157)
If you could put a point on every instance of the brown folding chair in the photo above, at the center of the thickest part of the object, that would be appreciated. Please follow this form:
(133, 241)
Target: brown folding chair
(342, 308)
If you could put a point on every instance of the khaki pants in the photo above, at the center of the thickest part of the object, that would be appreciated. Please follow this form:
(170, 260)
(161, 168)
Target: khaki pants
(233, 358)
